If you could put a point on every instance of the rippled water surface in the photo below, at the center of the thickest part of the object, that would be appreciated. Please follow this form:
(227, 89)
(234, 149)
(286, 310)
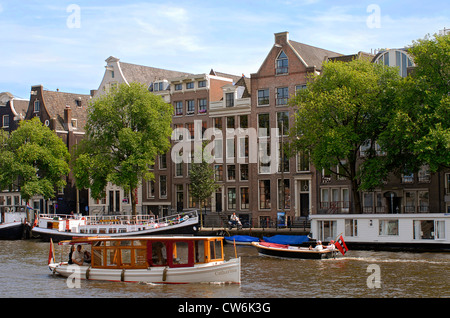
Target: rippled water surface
(24, 273)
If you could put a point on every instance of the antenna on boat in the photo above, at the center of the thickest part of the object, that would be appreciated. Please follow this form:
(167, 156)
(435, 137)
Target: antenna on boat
(234, 243)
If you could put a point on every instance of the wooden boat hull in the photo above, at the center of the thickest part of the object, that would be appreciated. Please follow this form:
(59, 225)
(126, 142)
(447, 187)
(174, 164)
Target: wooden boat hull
(214, 272)
(285, 251)
(11, 231)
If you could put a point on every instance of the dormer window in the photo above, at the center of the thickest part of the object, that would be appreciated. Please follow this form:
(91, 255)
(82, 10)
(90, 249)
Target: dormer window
(282, 63)
(78, 101)
(229, 99)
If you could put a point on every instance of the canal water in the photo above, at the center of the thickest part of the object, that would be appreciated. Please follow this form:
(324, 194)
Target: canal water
(358, 274)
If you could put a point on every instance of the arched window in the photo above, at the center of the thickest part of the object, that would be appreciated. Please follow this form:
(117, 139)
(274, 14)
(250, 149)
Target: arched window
(282, 63)
(398, 58)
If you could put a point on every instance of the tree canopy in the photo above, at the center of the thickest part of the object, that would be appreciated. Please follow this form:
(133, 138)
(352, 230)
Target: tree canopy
(125, 131)
(345, 108)
(34, 160)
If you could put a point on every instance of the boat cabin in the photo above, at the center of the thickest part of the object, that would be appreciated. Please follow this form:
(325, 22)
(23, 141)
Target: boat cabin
(147, 252)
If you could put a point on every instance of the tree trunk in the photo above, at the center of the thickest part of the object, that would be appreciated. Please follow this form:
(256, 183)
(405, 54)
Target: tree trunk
(133, 202)
(355, 186)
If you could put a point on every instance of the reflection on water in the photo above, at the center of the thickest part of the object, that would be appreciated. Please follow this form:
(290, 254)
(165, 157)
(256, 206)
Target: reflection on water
(24, 273)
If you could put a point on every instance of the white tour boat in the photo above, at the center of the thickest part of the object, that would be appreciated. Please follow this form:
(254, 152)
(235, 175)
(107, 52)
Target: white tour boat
(154, 259)
(428, 232)
(64, 227)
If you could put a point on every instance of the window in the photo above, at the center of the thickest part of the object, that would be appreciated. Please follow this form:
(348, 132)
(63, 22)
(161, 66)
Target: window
(229, 99)
(178, 108)
(303, 161)
(230, 148)
(163, 186)
(218, 172)
(282, 95)
(218, 123)
(178, 87)
(327, 230)
(410, 201)
(36, 106)
(230, 122)
(243, 121)
(264, 194)
(163, 161)
(351, 227)
(5, 121)
(244, 172)
(231, 198)
(286, 197)
(264, 157)
(202, 105)
(282, 64)
(231, 172)
(263, 97)
(283, 123)
(202, 83)
(218, 151)
(180, 254)
(424, 174)
(192, 200)
(190, 107)
(388, 227)
(245, 202)
(190, 85)
(263, 125)
(300, 87)
(190, 128)
(243, 147)
(423, 202)
(150, 189)
(179, 169)
(283, 163)
(447, 183)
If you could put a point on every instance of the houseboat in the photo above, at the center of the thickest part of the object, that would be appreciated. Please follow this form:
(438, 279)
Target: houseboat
(389, 232)
(64, 227)
(13, 223)
(154, 259)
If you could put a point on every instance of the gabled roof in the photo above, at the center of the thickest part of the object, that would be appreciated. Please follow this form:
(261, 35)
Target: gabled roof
(146, 74)
(56, 102)
(311, 55)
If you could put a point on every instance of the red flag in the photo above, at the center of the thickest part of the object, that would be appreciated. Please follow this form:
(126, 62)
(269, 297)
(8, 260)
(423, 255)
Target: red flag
(341, 246)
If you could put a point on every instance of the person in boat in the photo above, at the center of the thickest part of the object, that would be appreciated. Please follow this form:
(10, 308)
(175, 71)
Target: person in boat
(87, 257)
(78, 256)
(319, 246)
(331, 246)
(72, 249)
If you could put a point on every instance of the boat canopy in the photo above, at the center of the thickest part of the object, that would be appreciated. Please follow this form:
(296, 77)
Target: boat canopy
(287, 239)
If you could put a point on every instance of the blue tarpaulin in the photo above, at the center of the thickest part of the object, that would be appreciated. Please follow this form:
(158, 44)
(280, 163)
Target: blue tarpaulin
(241, 239)
(287, 239)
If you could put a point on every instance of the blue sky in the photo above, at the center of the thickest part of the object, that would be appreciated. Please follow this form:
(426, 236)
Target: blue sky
(50, 43)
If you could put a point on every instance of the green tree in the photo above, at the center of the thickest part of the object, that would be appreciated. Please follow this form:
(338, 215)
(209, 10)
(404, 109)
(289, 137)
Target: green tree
(348, 106)
(34, 160)
(202, 182)
(125, 131)
(431, 117)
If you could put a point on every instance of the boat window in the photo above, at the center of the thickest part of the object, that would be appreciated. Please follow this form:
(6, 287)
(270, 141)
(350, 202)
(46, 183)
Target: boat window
(97, 257)
(215, 248)
(141, 257)
(102, 231)
(125, 243)
(159, 253)
(139, 243)
(200, 252)
(112, 257)
(180, 253)
(126, 256)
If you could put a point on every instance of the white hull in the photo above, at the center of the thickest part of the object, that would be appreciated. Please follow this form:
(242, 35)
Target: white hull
(424, 231)
(214, 272)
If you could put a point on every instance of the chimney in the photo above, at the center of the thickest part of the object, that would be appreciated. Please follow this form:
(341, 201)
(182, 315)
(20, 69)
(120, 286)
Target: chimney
(281, 38)
(67, 117)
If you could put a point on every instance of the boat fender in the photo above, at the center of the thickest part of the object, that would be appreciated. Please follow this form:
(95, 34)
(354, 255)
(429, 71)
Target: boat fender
(122, 275)
(88, 272)
(164, 277)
